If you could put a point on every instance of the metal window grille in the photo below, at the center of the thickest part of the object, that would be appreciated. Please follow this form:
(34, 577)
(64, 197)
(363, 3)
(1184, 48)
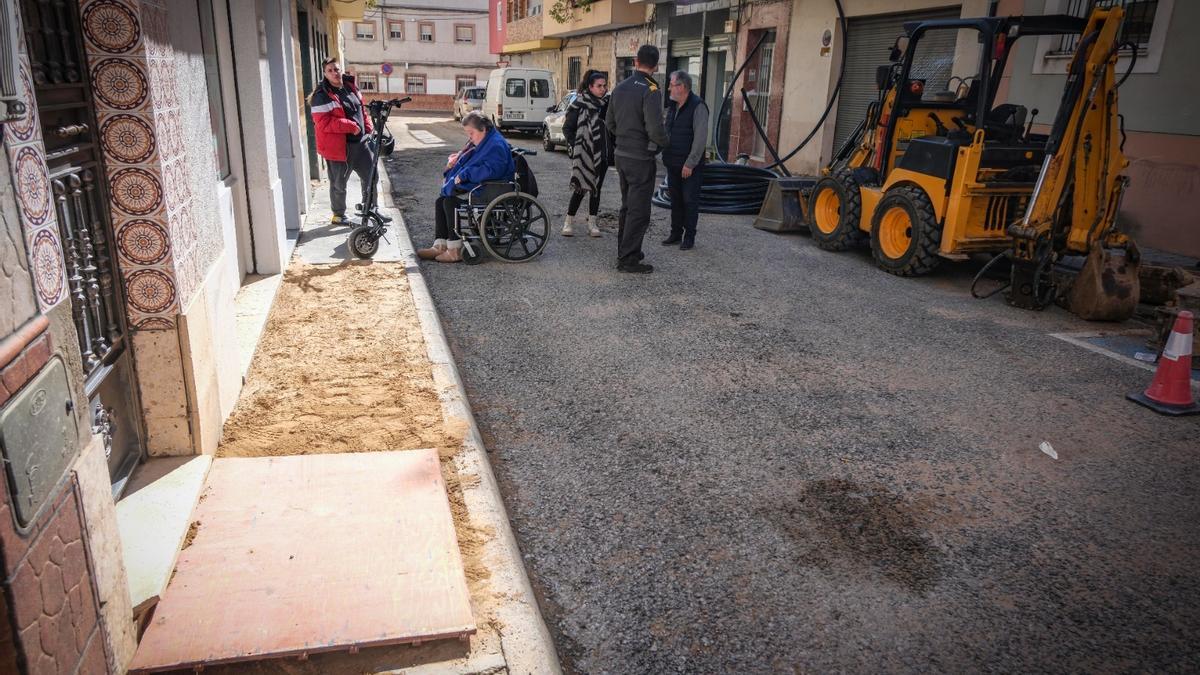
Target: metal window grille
(426, 32)
(1139, 22)
(463, 81)
(414, 84)
(574, 71)
(367, 83)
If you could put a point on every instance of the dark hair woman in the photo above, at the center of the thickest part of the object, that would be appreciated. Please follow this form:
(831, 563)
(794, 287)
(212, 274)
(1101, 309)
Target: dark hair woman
(588, 139)
(343, 132)
(487, 156)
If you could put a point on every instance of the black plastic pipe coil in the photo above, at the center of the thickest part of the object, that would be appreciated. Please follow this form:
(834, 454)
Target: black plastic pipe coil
(726, 189)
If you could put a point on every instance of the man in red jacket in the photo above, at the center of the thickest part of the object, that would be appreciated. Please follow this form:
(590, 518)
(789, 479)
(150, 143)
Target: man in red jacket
(344, 139)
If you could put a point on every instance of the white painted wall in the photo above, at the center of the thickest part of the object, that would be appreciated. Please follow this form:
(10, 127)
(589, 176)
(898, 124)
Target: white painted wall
(252, 53)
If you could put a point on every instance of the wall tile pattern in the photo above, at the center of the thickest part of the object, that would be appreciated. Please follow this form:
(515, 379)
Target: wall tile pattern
(26, 156)
(134, 79)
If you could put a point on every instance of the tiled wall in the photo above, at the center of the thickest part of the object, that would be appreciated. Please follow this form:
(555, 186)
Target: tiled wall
(163, 256)
(26, 157)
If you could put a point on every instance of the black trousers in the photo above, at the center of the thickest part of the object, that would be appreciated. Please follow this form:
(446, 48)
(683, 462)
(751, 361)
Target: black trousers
(685, 200)
(443, 216)
(594, 202)
(359, 158)
(637, 187)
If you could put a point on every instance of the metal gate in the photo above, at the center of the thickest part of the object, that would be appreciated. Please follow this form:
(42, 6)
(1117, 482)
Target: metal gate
(870, 40)
(77, 179)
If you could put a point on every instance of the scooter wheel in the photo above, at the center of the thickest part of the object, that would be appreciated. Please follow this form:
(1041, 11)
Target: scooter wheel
(362, 242)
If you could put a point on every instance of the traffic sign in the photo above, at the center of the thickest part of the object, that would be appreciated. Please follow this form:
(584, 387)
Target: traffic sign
(386, 68)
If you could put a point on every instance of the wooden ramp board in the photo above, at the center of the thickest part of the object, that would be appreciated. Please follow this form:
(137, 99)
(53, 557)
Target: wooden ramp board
(309, 553)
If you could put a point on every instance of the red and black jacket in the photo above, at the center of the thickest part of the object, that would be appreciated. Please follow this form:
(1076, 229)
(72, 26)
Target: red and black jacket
(330, 121)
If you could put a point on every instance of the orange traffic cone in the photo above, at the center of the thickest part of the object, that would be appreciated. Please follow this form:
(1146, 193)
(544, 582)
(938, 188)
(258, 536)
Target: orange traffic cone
(1170, 393)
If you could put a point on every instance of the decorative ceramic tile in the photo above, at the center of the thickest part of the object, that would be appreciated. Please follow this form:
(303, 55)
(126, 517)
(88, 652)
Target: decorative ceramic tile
(120, 83)
(110, 27)
(154, 24)
(143, 242)
(33, 185)
(153, 323)
(150, 290)
(137, 192)
(26, 128)
(46, 258)
(177, 188)
(127, 138)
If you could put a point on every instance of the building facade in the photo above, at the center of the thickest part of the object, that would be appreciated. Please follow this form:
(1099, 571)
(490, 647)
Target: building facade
(155, 161)
(421, 49)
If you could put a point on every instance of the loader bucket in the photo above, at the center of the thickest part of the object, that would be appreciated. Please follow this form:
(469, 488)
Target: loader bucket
(785, 208)
(1107, 287)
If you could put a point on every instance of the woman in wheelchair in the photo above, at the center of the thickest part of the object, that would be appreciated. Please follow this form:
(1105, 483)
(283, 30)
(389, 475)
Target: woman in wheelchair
(487, 156)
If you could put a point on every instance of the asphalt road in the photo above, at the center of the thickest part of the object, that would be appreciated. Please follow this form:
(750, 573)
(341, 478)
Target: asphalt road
(765, 457)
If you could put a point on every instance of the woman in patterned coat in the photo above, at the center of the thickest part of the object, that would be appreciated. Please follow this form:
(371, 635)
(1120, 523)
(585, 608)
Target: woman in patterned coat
(588, 139)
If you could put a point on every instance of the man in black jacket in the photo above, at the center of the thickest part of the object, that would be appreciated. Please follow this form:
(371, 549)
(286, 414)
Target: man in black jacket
(635, 123)
(687, 128)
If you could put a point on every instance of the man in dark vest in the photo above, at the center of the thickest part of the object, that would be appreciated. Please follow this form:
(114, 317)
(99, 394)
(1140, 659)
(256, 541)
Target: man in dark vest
(635, 123)
(687, 131)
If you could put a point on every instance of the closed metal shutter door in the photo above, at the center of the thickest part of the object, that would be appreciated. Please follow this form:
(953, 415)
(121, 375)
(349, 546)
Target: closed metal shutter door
(686, 47)
(870, 43)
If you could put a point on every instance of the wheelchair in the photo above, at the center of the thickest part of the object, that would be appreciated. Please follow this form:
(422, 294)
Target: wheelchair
(504, 219)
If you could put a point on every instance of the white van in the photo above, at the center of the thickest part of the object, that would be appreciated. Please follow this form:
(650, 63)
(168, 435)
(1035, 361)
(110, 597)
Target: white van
(517, 98)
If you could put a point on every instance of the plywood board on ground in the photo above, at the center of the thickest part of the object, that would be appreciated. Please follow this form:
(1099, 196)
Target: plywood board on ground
(301, 554)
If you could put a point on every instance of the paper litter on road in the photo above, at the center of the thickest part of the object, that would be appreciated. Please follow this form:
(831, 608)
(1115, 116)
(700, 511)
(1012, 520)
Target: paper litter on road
(1145, 356)
(1048, 449)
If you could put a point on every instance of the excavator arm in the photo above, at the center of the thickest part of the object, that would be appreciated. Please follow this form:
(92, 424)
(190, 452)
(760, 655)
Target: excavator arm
(1074, 205)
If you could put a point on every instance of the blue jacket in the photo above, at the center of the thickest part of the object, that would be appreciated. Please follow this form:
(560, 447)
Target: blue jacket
(490, 160)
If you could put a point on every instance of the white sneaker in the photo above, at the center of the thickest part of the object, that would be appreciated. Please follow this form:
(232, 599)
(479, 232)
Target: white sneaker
(593, 228)
(567, 231)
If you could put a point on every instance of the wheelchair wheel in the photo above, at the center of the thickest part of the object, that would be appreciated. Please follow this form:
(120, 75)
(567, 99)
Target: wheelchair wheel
(515, 227)
(363, 242)
(474, 254)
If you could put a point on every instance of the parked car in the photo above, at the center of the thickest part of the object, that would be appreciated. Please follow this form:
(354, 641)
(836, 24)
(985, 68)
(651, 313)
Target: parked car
(517, 98)
(552, 127)
(470, 98)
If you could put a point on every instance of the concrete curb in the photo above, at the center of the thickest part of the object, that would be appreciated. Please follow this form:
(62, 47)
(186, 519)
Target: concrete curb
(525, 639)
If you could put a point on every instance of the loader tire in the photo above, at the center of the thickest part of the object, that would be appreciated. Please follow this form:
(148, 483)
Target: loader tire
(905, 234)
(836, 209)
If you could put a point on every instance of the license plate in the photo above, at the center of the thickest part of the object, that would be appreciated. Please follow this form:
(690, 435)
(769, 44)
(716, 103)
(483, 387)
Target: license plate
(516, 115)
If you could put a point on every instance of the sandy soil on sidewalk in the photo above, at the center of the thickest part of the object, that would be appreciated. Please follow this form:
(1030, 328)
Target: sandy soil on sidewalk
(342, 367)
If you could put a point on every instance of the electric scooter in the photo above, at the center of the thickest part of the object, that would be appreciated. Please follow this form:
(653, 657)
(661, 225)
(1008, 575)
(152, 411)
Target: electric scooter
(364, 239)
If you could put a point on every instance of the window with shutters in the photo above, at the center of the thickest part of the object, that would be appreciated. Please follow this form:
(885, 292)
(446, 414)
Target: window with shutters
(425, 32)
(396, 30)
(464, 33)
(367, 82)
(364, 30)
(414, 84)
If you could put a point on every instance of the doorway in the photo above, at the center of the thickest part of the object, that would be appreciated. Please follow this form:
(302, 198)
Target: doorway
(758, 80)
(79, 184)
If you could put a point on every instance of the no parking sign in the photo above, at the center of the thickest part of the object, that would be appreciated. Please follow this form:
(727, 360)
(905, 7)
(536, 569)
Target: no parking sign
(386, 68)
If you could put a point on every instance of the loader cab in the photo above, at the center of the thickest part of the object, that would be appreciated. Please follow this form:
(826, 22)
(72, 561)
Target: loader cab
(943, 81)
